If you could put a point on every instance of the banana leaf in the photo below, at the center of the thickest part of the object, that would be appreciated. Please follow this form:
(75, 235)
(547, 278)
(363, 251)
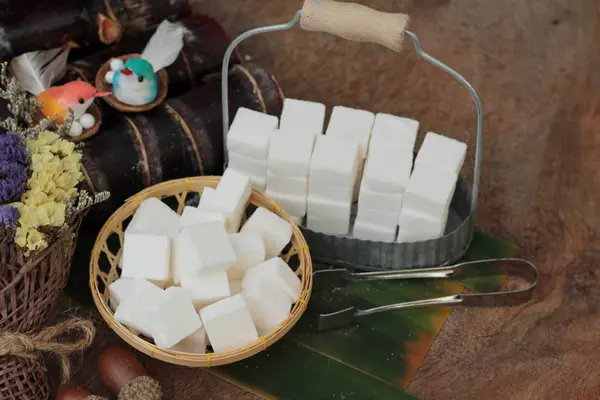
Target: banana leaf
(375, 357)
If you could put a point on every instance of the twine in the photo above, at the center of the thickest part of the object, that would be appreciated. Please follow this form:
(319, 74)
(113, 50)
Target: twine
(141, 388)
(27, 345)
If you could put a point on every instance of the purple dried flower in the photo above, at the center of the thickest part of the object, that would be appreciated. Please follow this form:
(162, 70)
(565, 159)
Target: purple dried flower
(11, 149)
(9, 216)
(13, 179)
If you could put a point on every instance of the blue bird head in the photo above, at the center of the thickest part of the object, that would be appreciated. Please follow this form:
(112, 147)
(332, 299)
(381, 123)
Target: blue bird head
(136, 83)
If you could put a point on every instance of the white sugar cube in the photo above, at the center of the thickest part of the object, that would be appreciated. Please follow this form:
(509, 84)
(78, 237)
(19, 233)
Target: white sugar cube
(269, 306)
(377, 218)
(208, 288)
(331, 192)
(137, 310)
(352, 125)
(431, 227)
(388, 170)
(212, 251)
(257, 182)
(228, 324)
(249, 248)
(297, 220)
(235, 287)
(328, 226)
(392, 132)
(233, 191)
(293, 205)
(288, 185)
(277, 273)
(290, 154)
(410, 235)
(146, 256)
(334, 161)
(154, 217)
(366, 231)
(118, 290)
(430, 191)
(275, 231)
(327, 209)
(193, 216)
(384, 202)
(250, 133)
(248, 165)
(175, 318)
(195, 343)
(301, 116)
(184, 257)
(208, 200)
(441, 152)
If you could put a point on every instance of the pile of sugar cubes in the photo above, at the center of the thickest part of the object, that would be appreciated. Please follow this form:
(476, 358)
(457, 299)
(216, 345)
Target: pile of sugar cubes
(361, 156)
(197, 278)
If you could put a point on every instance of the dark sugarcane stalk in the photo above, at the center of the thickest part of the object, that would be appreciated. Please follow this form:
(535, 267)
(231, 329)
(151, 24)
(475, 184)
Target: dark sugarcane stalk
(178, 139)
(29, 25)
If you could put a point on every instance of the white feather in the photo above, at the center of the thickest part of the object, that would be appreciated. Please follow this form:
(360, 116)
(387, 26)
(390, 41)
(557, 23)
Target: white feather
(164, 46)
(38, 70)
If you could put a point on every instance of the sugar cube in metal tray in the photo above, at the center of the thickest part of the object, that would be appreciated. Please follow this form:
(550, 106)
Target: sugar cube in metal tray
(233, 191)
(118, 290)
(410, 235)
(212, 248)
(430, 191)
(334, 161)
(287, 185)
(249, 249)
(250, 133)
(228, 324)
(366, 231)
(441, 152)
(384, 202)
(326, 209)
(275, 231)
(290, 154)
(146, 256)
(137, 310)
(331, 192)
(303, 117)
(377, 218)
(388, 170)
(352, 125)
(269, 306)
(154, 217)
(432, 227)
(328, 226)
(247, 165)
(175, 318)
(277, 273)
(193, 216)
(392, 132)
(293, 205)
(208, 288)
(195, 343)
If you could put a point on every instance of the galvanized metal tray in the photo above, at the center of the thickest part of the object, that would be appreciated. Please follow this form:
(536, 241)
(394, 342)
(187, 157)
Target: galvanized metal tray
(360, 23)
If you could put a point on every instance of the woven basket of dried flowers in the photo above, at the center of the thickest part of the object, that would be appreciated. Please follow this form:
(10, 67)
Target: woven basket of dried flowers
(31, 285)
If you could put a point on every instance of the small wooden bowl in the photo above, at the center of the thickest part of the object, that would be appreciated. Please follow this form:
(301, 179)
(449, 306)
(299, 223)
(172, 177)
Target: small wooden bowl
(109, 247)
(88, 133)
(103, 86)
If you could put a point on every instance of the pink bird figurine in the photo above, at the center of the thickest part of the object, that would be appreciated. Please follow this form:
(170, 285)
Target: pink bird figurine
(76, 95)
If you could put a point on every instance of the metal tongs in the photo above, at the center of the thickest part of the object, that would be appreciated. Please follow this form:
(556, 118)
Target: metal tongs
(335, 278)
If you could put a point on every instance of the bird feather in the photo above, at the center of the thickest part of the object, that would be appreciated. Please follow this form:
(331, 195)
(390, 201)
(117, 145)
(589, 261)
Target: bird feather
(37, 71)
(164, 46)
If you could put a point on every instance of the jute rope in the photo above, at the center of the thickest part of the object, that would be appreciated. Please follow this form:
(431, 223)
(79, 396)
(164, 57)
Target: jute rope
(141, 388)
(27, 345)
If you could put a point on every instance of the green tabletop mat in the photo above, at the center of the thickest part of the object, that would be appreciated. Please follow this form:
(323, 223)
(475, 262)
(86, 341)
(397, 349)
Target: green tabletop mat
(374, 358)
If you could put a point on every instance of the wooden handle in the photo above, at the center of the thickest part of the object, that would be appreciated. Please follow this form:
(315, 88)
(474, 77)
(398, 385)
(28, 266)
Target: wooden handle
(354, 22)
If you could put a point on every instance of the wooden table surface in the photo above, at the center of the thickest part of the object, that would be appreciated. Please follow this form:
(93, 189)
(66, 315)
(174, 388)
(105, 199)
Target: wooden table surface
(536, 64)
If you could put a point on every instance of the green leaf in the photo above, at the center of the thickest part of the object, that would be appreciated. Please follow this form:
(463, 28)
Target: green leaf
(373, 358)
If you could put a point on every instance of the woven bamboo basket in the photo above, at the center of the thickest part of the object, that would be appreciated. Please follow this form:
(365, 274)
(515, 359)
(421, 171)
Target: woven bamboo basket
(107, 252)
(31, 285)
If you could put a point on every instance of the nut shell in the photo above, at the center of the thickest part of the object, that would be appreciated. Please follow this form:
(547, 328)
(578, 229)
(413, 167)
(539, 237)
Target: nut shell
(72, 392)
(117, 367)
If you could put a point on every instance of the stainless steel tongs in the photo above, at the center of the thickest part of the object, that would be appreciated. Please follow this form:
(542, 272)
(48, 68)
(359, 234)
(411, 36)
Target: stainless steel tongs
(333, 278)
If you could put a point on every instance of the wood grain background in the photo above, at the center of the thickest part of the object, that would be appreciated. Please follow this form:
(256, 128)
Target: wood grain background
(536, 64)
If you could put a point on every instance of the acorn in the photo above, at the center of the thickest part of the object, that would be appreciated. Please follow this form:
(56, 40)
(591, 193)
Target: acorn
(124, 376)
(72, 392)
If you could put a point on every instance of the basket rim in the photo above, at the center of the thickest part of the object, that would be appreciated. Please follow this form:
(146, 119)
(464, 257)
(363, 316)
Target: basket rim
(102, 85)
(173, 188)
